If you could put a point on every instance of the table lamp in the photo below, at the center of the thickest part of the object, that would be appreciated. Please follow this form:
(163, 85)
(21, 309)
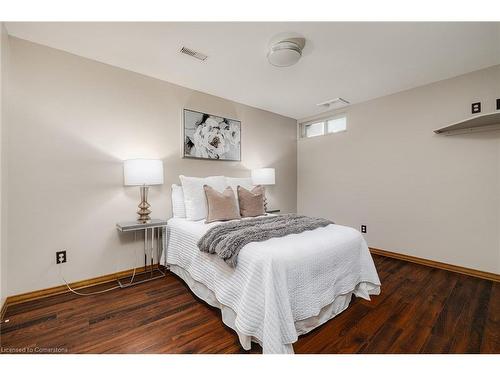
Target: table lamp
(263, 176)
(143, 173)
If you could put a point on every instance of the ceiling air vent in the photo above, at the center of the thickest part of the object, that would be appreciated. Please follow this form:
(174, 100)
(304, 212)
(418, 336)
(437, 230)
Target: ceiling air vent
(193, 53)
(334, 103)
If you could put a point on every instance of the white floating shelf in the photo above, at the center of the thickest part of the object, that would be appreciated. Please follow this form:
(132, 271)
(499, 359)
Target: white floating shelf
(480, 123)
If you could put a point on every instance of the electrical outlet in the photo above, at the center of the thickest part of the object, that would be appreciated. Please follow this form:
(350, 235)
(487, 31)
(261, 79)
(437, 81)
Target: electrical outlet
(363, 229)
(476, 107)
(61, 257)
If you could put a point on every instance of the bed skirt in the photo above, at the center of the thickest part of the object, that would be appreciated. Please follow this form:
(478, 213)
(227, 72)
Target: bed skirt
(229, 315)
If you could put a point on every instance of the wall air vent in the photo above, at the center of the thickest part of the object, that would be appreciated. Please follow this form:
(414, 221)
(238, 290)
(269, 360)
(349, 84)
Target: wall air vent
(193, 53)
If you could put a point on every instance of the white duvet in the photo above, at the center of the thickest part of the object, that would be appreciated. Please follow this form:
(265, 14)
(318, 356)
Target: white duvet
(279, 283)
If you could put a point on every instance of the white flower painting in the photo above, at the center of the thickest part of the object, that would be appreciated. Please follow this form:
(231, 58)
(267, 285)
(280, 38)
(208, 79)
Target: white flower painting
(211, 137)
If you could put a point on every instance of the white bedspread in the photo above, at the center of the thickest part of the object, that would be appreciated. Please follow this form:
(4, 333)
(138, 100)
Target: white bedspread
(280, 281)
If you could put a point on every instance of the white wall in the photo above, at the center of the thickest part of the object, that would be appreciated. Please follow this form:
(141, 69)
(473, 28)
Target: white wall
(421, 194)
(71, 123)
(4, 54)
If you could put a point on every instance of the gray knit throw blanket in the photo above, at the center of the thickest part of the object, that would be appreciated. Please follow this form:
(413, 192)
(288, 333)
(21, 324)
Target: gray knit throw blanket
(227, 239)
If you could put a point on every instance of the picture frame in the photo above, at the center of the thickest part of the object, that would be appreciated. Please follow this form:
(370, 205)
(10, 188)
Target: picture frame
(210, 137)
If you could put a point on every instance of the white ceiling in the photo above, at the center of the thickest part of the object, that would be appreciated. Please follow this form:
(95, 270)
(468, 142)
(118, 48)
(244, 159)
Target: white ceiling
(356, 61)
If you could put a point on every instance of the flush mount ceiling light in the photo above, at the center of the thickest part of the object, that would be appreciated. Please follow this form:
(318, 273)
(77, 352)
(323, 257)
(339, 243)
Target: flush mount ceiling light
(286, 52)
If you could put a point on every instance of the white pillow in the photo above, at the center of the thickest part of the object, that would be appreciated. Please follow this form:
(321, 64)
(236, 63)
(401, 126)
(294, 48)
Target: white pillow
(194, 195)
(178, 208)
(245, 182)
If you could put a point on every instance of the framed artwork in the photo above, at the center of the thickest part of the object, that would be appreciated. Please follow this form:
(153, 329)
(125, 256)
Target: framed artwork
(211, 137)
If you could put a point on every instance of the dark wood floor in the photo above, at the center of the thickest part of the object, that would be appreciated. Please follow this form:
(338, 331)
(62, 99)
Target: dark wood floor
(420, 310)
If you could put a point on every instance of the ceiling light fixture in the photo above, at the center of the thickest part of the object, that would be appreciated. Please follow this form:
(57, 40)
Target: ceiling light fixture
(286, 52)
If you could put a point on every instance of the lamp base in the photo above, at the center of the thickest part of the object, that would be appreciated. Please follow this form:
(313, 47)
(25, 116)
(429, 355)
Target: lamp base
(265, 198)
(144, 210)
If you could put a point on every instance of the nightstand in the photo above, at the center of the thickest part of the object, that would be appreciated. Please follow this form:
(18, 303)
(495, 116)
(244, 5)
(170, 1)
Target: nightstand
(276, 211)
(152, 230)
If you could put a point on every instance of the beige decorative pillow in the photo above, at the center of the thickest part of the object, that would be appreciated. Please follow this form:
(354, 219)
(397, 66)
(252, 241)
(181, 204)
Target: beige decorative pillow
(251, 201)
(221, 206)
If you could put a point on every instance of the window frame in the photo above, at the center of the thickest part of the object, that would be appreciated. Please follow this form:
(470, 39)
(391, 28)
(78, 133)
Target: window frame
(313, 123)
(324, 121)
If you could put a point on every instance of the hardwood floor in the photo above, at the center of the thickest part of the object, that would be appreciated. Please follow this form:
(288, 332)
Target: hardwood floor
(420, 310)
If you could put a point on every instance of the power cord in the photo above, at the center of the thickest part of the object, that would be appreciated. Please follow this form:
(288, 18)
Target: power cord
(106, 290)
(84, 294)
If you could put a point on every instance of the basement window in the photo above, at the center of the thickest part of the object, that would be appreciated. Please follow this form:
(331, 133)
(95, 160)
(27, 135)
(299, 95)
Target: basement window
(334, 124)
(314, 129)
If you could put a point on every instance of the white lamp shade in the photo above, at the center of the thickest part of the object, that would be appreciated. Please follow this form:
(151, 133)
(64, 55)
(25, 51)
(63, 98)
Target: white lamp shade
(143, 172)
(263, 176)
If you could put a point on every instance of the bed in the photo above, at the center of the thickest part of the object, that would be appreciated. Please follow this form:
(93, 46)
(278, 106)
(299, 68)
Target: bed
(281, 288)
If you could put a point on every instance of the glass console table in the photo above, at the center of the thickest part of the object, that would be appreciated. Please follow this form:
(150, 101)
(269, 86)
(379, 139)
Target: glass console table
(153, 230)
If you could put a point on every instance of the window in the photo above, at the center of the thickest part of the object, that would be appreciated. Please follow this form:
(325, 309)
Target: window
(336, 125)
(315, 129)
(327, 126)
